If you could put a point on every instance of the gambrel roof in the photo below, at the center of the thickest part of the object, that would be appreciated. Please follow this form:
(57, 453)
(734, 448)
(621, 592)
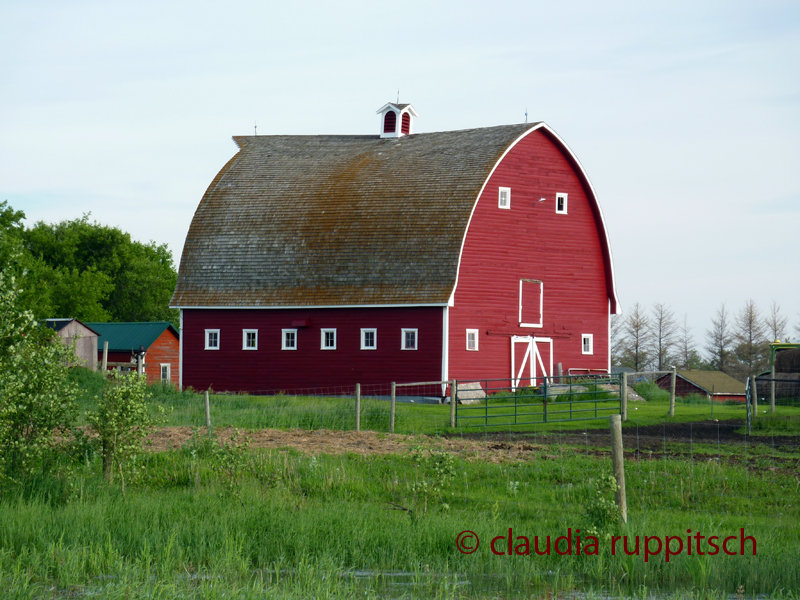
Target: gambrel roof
(332, 220)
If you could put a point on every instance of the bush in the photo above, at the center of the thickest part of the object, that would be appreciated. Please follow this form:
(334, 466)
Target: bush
(650, 391)
(122, 421)
(36, 399)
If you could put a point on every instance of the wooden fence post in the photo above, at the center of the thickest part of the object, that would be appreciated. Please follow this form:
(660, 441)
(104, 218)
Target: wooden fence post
(208, 411)
(623, 396)
(394, 401)
(618, 461)
(672, 381)
(139, 365)
(453, 400)
(105, 357)
(358, 407)
(772, 388)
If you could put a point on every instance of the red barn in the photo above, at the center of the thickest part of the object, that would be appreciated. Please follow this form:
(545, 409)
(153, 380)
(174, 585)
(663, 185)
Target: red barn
(329, 260)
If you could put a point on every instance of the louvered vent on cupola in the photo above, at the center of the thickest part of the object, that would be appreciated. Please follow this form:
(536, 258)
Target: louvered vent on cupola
(396, 120)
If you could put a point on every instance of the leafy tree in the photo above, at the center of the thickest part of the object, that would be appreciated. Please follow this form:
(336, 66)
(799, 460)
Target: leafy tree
(36, 400)
(663, 332)
(94, 272)
(719, 339)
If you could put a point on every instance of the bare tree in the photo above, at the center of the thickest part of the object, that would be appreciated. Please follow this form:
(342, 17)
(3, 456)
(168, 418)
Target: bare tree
(617, 338)
(751, 342)
(776, 323)
(687, 355)
(635, 348)
(663, 329)
(719, 339)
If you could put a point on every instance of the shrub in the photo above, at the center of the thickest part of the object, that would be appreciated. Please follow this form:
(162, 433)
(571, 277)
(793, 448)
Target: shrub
(650, 391)
(36, 399)
(122, 421)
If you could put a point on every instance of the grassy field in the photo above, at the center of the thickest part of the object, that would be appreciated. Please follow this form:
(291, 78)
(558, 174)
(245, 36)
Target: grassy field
(311, 412)
(219, 519)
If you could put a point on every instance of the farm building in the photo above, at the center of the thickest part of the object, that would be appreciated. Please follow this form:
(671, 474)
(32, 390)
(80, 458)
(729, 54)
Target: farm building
(715, 384)
(159, 340)
(326, 260)
(785, 360)
(83, 335)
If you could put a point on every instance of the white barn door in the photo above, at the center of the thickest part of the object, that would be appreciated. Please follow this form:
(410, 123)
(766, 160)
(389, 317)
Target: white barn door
(533, 353)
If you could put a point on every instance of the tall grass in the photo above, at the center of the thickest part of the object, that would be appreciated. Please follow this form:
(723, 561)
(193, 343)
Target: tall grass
(244, 522)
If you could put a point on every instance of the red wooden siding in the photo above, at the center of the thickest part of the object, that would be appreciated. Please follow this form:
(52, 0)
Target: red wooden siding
(531, 241)
(165, 350)
(270, 369)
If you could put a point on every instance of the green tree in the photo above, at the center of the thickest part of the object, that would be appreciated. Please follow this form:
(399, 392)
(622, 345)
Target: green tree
(94, 272)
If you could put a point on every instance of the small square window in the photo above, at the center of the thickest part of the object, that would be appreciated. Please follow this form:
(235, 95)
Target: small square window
(249, 339)
(328, 339)
(289, 339)
(369, 339)
(165, 374)
(472, 340)
(561, 204)
(409, 340)
(504, 199)
(587, 343)
(212, 339)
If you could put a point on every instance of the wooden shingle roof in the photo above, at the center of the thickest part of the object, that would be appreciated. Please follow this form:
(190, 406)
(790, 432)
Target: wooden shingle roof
(331, 220)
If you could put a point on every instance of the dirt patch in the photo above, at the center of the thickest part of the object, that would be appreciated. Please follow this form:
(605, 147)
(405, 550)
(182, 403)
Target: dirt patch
(343, 442)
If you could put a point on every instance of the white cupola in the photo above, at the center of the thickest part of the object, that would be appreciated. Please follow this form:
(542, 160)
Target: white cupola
(396, 120)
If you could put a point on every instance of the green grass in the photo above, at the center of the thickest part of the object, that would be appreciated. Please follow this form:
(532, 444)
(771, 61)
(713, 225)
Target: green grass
(206, 521)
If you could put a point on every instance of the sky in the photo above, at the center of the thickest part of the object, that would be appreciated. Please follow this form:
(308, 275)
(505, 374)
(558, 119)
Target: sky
(684, 114)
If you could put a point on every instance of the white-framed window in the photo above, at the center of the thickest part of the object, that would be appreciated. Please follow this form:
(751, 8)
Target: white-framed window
(249, 339)
(165, 373)
(288, 339)
(328, 341)
(531, 302)
(561, 204)
(587, 343)
(369, 339)
(504, 198)
(409, 339)
(472, 339)
(212, 339)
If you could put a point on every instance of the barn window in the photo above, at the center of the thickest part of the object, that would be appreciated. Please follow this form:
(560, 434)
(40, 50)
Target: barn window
(405, 126)
(249, 339)
(561, 204)
(369, 339)
(472, 340)
(504, 199)
(165, 374)
(289, 339)
(328, 339)
(212, 339)
(531, 302)
(587, 343)
(409, 339)
(390, 122)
